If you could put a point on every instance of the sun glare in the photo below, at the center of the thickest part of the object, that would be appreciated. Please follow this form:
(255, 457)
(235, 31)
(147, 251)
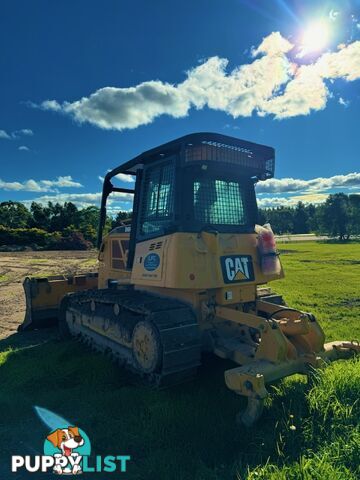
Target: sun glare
(315, 37)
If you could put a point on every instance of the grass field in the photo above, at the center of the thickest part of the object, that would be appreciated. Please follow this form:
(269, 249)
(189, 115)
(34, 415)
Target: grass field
(188, 432)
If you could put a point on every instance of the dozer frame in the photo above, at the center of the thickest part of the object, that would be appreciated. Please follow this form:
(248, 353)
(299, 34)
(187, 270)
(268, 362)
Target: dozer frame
(189, 275)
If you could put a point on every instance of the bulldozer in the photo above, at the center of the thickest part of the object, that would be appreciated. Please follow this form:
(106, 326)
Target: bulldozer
(188, 275)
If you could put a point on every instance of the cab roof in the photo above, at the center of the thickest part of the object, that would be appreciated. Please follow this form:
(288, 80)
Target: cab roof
(258, 154)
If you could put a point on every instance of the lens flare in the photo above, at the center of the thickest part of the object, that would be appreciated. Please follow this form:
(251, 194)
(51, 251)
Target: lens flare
(51, 419)
(315, 38)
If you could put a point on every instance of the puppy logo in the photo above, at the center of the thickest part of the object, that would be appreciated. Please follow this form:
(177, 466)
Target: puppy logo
(67, 451)
(64, 443)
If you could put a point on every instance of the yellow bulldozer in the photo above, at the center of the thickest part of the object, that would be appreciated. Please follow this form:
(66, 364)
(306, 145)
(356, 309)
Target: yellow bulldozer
(189, 275)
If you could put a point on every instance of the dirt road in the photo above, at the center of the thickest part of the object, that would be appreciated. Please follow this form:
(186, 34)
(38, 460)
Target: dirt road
(305, 237)
(14, 267)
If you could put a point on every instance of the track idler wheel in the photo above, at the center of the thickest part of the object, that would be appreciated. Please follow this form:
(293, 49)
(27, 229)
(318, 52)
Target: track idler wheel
(146, 347)
(252, 412)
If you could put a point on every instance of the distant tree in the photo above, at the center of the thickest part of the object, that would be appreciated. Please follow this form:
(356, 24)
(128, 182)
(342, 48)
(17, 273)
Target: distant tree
(311, 213)
(56, 216)
(89, 233)
(88, 216)
(284, 217)
(338, 217)
(261, 216)
(14, 215)
(354, 204)
(300, 219)
(120, 217)
(40, 216)
(62, 216)
(311, 210)
(334, 217)
(88, 222)
(70, 212)
(280, 218)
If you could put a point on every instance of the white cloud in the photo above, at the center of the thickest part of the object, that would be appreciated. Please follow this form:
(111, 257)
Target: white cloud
(115, 202)
(125, 178)
(344, 63)
(62, 182)
(23, 132)
(292, 201)
(120, 176)
(24, 148)
(305, 92)
(48, 105)
(119, 108)
(272, 202)
(310, 198)
(16, 134)
(343, 102)
(40, 185)
(315, 190)
(9, 186)
(4, 134)
(272, 84)
(273, 44)
(282, 185)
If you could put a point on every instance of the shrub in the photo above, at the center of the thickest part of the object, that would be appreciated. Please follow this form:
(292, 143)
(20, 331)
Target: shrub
(72, 241)
(24, 236)
(37, 238)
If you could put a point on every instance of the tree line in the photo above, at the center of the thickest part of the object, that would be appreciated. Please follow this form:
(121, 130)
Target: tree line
(338, 217)
(52, 226)
(66, 226)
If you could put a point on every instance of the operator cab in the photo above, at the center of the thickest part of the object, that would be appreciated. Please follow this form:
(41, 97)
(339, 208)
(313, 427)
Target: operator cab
(200, 182)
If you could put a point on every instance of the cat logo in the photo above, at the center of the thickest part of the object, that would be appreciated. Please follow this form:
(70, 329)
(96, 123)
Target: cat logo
(237, 268)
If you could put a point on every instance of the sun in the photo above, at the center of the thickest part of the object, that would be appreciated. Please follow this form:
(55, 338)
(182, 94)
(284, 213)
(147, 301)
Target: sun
(315, 37)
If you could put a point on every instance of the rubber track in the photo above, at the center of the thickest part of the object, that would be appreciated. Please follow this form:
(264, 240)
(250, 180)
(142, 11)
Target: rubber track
(175, 321)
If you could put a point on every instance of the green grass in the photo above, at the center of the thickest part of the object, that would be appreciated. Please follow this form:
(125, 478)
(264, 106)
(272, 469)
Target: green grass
(35, 261)
(323, 278)
(188, 432)
(4, 278)
(44, 273)
(90, 262)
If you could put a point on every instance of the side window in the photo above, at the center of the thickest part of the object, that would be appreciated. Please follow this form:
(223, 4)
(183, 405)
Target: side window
(158, 205)
(119, 253)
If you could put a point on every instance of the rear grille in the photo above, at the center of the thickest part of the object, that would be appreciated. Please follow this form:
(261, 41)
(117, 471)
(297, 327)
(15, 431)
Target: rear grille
(209, 151)
(155, 246)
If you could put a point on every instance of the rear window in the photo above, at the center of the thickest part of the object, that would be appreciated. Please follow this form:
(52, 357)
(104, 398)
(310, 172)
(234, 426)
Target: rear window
(219, 202)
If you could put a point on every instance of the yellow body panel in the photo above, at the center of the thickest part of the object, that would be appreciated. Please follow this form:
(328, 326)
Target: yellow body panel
(192, 261)
(184, 262)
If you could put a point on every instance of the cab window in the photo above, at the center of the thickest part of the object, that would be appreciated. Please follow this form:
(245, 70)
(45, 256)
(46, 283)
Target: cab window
(158, 199)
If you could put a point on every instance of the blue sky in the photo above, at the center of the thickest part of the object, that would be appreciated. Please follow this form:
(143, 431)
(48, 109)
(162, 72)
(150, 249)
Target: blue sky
(87, 85)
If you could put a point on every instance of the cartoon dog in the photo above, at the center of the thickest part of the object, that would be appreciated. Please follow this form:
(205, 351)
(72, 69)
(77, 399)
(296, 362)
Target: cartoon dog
(66, 439)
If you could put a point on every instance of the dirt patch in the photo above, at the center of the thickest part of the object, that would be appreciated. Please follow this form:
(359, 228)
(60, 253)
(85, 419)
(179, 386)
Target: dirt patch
(15, 266)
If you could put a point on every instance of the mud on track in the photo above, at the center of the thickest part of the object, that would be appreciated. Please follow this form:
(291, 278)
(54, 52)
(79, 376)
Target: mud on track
(15, 266)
